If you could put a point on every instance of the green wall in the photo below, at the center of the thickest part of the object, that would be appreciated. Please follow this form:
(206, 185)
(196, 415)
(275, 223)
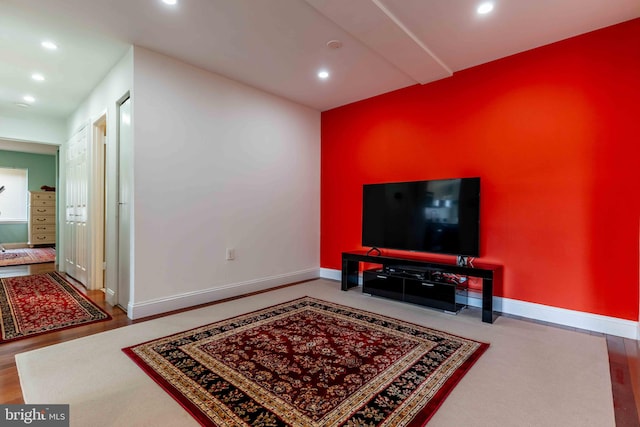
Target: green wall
(41, 171)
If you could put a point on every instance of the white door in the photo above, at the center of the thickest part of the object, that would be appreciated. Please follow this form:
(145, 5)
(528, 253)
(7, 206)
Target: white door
(125, 172)
(77, 183)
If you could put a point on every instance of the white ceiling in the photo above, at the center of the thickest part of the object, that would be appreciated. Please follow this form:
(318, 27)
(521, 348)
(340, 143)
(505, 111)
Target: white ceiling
(277, 45)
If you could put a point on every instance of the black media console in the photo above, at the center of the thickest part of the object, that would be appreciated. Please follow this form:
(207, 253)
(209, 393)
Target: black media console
(420, 281)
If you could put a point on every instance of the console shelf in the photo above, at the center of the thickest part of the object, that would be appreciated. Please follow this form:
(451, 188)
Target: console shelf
(419, 280)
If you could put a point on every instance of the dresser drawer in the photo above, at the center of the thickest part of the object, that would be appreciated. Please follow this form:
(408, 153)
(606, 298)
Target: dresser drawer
(43, 202)
(43, 196)
(37, 219)
(41, 239)
(43, 210)
(43, 229)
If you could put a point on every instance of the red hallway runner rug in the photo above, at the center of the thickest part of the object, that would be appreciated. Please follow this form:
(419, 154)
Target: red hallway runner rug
(27, 256)
(310, 363)
(32, 305)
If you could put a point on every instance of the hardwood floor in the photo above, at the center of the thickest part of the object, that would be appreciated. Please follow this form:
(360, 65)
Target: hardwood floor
(624, 354)
(10, 391)
(623, 365)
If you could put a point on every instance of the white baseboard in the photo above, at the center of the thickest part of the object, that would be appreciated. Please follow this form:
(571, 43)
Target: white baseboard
(576, 319)
(142, 309)
(561, 316)
(328, 273)
(15, 245)
(110, 296)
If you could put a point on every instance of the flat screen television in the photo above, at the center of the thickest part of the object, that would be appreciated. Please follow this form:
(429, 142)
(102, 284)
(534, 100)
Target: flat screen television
(437, 216)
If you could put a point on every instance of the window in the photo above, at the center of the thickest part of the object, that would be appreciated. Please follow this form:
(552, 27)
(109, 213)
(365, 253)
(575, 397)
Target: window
(13, 199)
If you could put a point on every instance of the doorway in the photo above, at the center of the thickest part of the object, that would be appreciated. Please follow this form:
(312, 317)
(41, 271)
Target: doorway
(97, 204)
(123, 212)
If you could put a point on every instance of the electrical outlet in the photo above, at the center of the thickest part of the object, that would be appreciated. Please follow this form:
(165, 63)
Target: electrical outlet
(231, 254)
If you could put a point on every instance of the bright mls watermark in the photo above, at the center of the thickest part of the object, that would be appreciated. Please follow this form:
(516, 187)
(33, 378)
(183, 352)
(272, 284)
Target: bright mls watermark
(34, 415)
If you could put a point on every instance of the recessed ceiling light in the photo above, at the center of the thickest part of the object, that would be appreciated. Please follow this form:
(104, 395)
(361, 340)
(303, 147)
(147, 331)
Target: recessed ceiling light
(37, 77)
(485, 8)
(47, 44)
(29, 98)
(323, 74)
(170, 2)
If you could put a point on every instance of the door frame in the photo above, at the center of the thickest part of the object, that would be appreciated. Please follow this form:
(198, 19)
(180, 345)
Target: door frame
(119, 201)
(111, 208)
(96, 203)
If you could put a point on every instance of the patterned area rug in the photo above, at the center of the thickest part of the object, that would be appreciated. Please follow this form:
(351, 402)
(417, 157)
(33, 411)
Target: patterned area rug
(32, 305)
(27, 256)
(310, 363)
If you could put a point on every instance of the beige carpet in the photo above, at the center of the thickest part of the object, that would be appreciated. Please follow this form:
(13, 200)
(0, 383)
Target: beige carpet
(531, 375)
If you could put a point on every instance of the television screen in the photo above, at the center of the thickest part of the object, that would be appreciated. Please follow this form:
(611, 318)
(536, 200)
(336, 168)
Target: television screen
(438, 216)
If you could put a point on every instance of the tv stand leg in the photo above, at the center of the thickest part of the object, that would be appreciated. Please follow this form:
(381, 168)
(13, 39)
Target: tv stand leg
(487, 300)
(350, 271)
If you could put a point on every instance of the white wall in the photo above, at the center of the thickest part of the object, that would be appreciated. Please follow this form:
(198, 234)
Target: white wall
(28, 147)
(219, 165)
(103, 97)
(33, 129)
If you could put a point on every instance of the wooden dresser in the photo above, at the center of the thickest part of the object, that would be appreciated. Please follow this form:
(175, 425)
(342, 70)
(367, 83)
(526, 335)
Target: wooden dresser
(42, 218)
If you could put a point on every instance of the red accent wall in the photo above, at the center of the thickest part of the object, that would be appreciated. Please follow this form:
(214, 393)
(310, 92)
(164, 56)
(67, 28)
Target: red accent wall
(554, 134)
